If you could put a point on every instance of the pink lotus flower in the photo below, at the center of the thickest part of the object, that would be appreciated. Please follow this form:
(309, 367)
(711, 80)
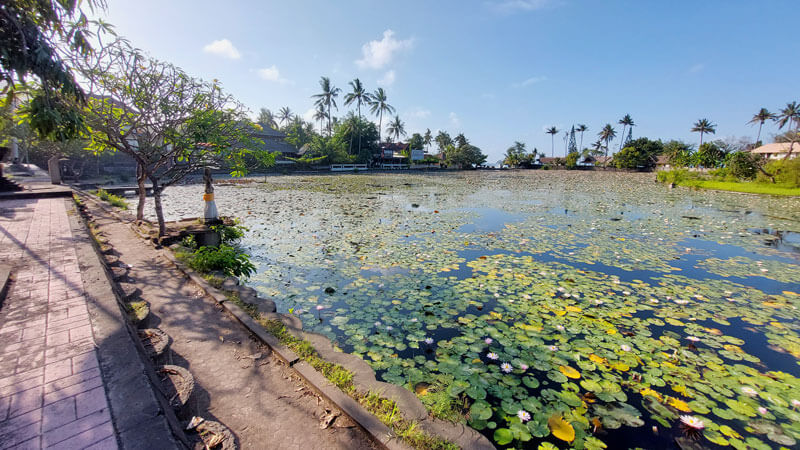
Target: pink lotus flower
(492, 355)
(523, 415)
(488, 340)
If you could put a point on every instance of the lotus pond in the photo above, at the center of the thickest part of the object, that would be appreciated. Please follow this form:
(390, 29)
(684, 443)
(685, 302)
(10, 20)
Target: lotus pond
(555, 309)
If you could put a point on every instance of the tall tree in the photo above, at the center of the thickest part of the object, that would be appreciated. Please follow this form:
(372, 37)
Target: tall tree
(358, 95)
(169, 123)
(790, 115)
(378, 105)
(327, 98)
(285, 115)
(607, 134)
(515, 154)
(760, 117)
(427, 139)
(320, 115)
(581, 128)
(38, 39)
(443, 140)
(552, 131)
(396, 127)
(626, 121)
(267, 118)
(703, 126)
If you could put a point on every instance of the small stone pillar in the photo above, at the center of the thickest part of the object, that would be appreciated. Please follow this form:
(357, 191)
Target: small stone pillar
(210, 214)
(54, 167)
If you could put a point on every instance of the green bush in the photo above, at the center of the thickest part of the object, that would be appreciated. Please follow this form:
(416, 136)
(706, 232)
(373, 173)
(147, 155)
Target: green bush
(744, 165)
(230, 234)
(572, 160)
(229, 260)
(786, 172)
(676, 176)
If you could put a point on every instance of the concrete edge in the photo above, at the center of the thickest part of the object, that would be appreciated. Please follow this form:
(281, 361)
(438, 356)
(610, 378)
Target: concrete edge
(379, 432)
(5, 281)
(142, 418)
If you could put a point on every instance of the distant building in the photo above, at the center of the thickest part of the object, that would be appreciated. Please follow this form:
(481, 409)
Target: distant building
(275, 141)
(604, 160)
(547, 161)
(777, 150)
(662, 163)
(390, 156)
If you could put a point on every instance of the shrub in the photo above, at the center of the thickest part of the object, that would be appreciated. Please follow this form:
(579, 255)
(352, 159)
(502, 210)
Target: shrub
(112, 199)
(786, 172)
(229, 260)
(744, 165)
(230, 234)
(572, 160)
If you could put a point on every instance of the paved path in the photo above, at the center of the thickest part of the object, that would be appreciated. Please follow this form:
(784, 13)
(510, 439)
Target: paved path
(51, 390)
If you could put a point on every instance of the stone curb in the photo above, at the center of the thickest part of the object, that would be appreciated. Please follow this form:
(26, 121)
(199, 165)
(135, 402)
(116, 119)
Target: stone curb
(141, 418)
(368, 422)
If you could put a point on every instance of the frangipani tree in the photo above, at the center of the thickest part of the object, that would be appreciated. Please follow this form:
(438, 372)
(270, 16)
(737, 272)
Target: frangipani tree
(170, 123)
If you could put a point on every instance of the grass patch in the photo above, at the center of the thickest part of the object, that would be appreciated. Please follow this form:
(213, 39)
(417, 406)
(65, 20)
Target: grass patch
(748, 187)
(442, 405)
(384, 409)
(111, 199)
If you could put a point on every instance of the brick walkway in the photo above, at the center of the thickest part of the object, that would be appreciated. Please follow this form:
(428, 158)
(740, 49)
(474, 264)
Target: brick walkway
(51, 391)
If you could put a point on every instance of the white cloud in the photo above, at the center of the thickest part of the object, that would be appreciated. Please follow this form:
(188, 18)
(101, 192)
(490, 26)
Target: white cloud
(530, 81)
(697, 68)
(377, 54)
(508, 6)
(308, 116)
(454, 120)
(387, 79)
(272, 74)
(224, 48)
(419, 113)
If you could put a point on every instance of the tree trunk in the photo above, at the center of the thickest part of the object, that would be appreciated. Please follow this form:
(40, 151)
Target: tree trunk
(701, 140)
(380, 126)
(359, 128)
(792, 141)
(162, 227)
(622, 137)
(140, 179)
(758, 138)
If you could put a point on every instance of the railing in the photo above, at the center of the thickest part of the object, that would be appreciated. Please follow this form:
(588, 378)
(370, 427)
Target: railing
(347, 167)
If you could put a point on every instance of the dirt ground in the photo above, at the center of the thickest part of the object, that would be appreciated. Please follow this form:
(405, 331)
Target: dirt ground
(238, 381)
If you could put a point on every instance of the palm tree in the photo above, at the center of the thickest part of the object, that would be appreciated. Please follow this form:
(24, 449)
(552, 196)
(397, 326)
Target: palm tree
(327, 97)
(789, 114)
(396, 127)
(607, 134)
(320, 115)
(266, 117)
(378, 106)
(358, 95)
(625, 121)
(285, 115)
(703, 126)
(427, 139)
(761, 116)
(552, 131)
(581, 128)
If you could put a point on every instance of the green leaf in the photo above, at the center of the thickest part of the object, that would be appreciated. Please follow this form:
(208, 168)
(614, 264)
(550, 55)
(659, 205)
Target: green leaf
(503, 436)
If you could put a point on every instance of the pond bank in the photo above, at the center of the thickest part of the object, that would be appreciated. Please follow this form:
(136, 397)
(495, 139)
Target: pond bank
(238, 381)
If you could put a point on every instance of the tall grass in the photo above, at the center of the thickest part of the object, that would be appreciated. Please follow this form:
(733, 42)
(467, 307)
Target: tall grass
(112, 199)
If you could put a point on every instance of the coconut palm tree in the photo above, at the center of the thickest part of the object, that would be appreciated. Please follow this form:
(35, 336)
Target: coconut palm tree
(327, 97)
(285, 115)
(704, 126)
(378, 105)
(581, 128)
(760, 117)
(320, 115)
(358, 95)
(396, 127)
(788, 115)
(266, 117)
(427, 139)
(626, 121)
(552, 131)
(607, 134)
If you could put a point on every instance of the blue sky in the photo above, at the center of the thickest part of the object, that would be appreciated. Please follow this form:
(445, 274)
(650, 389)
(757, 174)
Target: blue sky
(497, 70)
